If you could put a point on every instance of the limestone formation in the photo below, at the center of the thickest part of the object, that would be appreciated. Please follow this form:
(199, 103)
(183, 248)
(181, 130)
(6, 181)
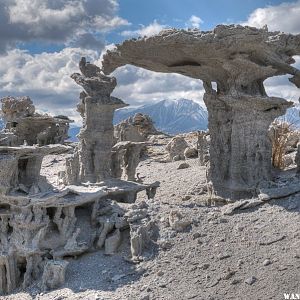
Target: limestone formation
(143, 231)
(92, 161)
(238, 59)
(24, 125)
(125, 159)
(43, 223)
(190, 152)
(176, 148)
(202, 145)
(135, 129)
(54, 274)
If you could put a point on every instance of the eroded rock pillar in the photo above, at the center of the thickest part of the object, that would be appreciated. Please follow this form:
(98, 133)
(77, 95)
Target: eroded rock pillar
(92, 160)
(240, 150)
(96, 141)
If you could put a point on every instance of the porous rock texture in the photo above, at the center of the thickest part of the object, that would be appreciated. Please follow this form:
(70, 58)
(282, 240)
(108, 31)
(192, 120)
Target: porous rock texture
(54, 274)
(238, 59)
(203, 147)
(45, 221)
(135, 129)
(92, 161)
(125, 159)
(203, 251)
(25, 126)
(176, 148)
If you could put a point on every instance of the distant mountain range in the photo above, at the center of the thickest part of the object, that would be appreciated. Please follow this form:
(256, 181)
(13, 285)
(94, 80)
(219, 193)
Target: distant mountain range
(176, 116)
(170, 116)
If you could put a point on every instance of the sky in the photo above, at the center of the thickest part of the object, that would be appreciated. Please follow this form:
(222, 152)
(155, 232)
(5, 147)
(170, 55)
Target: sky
(41, 42)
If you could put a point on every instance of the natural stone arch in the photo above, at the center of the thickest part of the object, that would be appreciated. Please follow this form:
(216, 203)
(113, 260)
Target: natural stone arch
(238, 59)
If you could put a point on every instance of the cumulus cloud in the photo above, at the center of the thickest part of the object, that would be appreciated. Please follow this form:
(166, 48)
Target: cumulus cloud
(44, 77)
(149, 30)
(138, 86)
(57, 21)
(284, 17)
(194, 22)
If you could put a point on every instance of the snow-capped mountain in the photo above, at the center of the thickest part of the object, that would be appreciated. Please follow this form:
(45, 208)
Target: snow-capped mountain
(170, 116)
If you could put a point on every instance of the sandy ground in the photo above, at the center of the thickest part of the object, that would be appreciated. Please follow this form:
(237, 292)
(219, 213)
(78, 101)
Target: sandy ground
(253, 254)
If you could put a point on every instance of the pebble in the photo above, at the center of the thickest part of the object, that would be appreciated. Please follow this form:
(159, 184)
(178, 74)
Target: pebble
(196, 235)
(266, 262)
(228, 274)
(205, 266)
(162, 285)
(250, 280)
(235, 281)
(183, 166)
(240, 262)
(224, 256)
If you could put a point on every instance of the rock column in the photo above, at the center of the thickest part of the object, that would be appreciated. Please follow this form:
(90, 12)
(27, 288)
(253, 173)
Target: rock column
(93, 159)
(240, 149)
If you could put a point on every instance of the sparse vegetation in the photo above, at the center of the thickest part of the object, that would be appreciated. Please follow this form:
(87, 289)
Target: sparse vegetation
(282, 131)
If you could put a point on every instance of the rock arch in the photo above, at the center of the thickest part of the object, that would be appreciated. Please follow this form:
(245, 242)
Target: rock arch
(238, 59)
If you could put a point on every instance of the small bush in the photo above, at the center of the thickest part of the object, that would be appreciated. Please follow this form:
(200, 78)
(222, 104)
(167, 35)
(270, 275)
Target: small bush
(279, 133)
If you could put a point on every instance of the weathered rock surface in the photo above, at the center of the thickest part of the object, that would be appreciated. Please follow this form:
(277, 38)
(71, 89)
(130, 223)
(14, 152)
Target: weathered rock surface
(125, 159)
(92, 161)
(54, 274)
(238, 59)
(215, 253)
(135, 129)
(190, 152)
(43, 220)
(24, 125)
(176, 147)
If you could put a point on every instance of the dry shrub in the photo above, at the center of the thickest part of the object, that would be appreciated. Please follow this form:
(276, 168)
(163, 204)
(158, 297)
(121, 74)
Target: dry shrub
(284, 134)
(279, 132)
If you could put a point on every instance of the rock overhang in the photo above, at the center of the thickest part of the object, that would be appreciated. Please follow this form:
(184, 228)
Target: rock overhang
(227, 52)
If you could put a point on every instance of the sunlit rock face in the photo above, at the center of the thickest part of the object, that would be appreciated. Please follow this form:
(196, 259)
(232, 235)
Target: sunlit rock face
(238, 59)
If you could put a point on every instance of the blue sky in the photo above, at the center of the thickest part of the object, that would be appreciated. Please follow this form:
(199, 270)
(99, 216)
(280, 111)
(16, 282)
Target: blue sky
(171, 13)
(42, 42)
(176, 12)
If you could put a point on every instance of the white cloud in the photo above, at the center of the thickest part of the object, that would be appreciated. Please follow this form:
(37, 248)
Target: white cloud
(57, 21)
(44, 77)
(194, 22)
(284, 17)
(280, 86)
(139, 86)
(149, 30)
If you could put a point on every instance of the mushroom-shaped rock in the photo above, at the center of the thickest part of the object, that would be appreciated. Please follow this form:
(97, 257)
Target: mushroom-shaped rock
(238, 59)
